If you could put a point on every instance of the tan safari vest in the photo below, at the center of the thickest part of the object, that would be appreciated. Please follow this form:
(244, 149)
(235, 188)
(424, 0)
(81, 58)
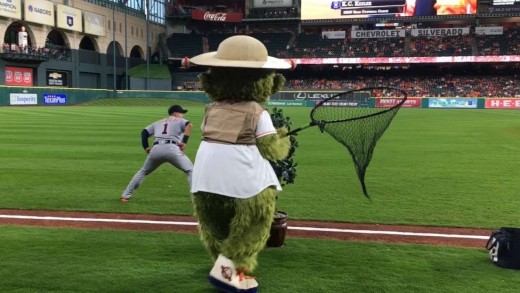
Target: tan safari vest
(232, 123)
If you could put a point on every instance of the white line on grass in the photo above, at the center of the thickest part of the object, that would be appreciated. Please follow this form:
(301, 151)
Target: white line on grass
(99, 220)
(394, 233)
(333, 230)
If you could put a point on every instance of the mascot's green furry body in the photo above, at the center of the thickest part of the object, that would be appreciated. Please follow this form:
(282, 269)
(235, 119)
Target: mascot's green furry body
(235, 206)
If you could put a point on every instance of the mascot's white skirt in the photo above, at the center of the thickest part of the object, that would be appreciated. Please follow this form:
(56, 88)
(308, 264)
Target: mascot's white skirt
(232, 170)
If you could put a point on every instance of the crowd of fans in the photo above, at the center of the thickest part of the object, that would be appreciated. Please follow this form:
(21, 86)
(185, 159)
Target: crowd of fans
(465, 45)
(59, 53)
(444, 46)
(421, 86)
(313, 44)
(387, 47)
(467, 86)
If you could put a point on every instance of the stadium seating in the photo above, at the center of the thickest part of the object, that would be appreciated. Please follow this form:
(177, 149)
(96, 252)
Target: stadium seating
(441, 46)
(182, 45)
(275, 42)
(418, 86)
(312, 44)
(384, 47)
(506, 44)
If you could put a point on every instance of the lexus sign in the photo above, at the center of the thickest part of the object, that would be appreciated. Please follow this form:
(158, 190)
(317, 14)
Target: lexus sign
(216, 16)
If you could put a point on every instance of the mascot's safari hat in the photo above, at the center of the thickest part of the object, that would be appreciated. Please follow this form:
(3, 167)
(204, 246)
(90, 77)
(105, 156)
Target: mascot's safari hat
(241, 51)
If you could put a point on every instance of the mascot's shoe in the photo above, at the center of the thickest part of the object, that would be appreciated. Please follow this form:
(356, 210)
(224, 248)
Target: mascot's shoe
(225, 277)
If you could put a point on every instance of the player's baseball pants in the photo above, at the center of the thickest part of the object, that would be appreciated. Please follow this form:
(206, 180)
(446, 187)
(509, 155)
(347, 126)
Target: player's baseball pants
(159, 154)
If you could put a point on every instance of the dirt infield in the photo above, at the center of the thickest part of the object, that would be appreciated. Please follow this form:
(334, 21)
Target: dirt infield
(462, 237)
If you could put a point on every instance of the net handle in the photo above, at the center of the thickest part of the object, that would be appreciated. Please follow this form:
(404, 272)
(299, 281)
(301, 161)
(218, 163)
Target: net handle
(294, 131)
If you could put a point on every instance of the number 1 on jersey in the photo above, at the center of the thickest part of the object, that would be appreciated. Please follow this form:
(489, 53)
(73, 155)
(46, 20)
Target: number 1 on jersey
(165, 128)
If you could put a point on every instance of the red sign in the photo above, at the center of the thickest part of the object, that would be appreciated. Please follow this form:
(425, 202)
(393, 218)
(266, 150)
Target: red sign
(18, 76)
(406, 60)
(503, 103)
(390, 102)
(216, 16)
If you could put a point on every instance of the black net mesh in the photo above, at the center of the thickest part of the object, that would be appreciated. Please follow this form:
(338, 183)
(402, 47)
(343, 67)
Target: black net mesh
(364, 124)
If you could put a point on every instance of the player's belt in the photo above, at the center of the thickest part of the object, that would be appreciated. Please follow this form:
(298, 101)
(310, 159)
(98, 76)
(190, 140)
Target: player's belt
(165, 141)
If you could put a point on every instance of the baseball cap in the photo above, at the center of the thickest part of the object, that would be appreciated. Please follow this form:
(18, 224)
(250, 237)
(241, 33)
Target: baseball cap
(176, 108)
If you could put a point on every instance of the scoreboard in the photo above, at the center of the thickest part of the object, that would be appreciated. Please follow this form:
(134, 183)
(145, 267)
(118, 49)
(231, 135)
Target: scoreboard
(505, 2)
(505, 6)
(389, 8)
(327, 10)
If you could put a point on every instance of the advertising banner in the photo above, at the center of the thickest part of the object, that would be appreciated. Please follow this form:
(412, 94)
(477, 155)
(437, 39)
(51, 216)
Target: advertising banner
(452, 103)
(57, 78)
(375, 34)
(289, 103)
(502, 103)
(440, 32)
(489, 30)
(54, 99)
(39, 11)
(18, 76)
(390, 102)
(401, 60)
(23, 99)
(272, 3)
(68, 18)
(11, 8)
(333, 35)
(216, 16)
(94, 24)
(304, 95)
(504, 6)
(504, 9)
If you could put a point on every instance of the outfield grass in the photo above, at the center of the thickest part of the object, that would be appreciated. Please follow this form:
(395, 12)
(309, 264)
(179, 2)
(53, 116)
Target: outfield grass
(431, 167)
(63, 260)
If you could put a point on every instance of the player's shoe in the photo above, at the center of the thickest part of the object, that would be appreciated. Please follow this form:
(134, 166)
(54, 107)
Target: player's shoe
(124, 199)
(225, 277)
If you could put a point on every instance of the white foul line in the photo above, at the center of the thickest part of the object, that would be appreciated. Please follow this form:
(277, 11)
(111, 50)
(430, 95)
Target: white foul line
(99, 220)
(178, 223)
(395, 233)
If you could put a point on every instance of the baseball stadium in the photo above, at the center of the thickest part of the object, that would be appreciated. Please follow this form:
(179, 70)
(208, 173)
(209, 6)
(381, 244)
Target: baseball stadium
(391, 128)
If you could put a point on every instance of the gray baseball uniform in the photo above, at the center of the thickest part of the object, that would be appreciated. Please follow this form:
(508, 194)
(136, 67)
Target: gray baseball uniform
(168, 134)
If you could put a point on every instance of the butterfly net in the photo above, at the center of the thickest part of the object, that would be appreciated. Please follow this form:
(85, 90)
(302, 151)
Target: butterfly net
(357, 122)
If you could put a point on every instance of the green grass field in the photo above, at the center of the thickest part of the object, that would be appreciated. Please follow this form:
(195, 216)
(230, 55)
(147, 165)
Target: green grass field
(62, 260)
(431, 167)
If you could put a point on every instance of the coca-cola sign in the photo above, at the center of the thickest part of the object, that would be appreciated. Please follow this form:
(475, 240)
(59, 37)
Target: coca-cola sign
(216, 16)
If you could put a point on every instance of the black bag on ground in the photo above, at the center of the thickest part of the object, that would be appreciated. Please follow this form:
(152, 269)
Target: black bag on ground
(504, 247)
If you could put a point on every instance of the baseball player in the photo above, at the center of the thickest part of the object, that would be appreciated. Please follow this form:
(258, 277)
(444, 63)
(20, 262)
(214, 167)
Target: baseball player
(171, 136)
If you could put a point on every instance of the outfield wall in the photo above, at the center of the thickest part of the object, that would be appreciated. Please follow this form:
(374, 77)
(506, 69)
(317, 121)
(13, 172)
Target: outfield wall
(52, 96)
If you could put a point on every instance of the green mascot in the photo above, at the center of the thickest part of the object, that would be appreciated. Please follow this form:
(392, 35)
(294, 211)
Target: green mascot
(234, 186)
